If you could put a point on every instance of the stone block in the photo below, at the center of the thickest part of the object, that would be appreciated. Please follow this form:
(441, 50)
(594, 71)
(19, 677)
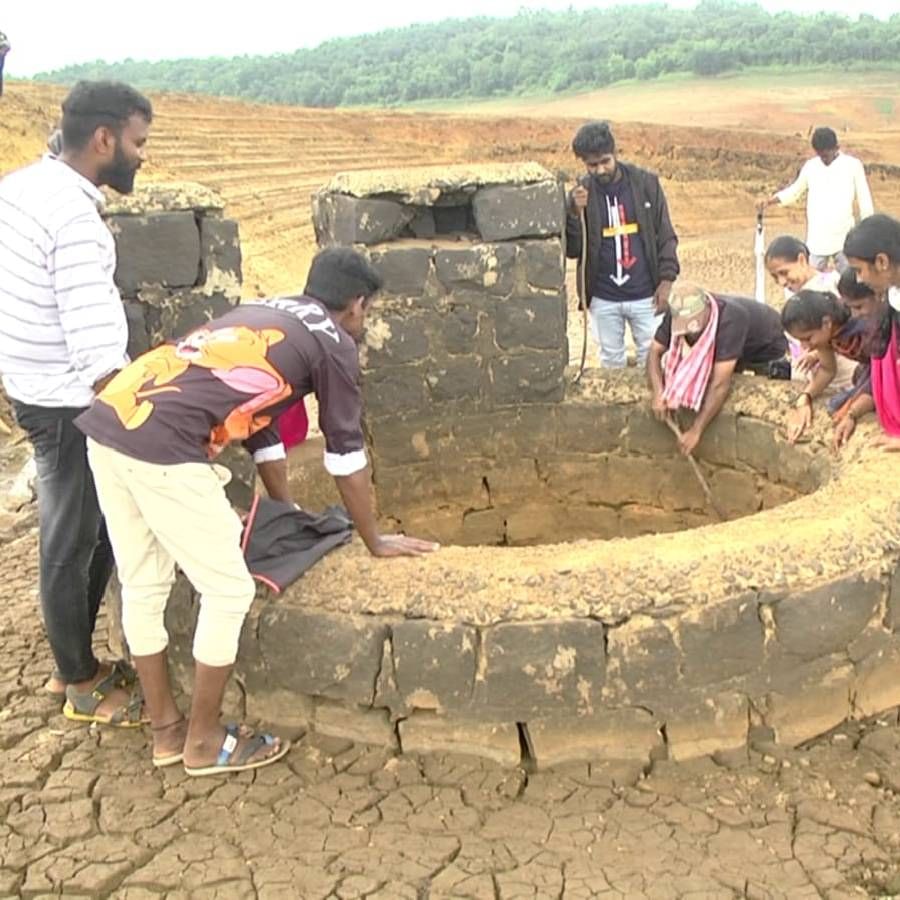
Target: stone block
(483, 267)
(537, 323)
(892, 620)
(716, 723)
(411, 441)
(220, 250)
(643, 663)
(182, 610)
(355, 723)
(824, 620)
(483, 527)
(801, 469)
(394, 340)
(531, 377)
(585, 428)
(536, 523)
(773, 495)
(423, 224)
(877, 683)
(507, 481)
(457, 378)
(457, 326)
(339, 219)
(427, 485)
(434, 664)
(609, 734)
(307, 483)
(647, 436)
(813, 700)
(633, 479)
(404, 269)
(756, 445)
(505, 212)
(581, 478)
(593, 523)
(453, 219)
(721, 641)
(679, 490)
(636, 521)
(536, 668)
(735, 492)
(429, 733)
(523, 432)
(719, 442)
(395, 390)
(138, 335)
(334, 656)
(161, 248)
(442, 525)
(544, 264)
(174, 314)
(283, 710)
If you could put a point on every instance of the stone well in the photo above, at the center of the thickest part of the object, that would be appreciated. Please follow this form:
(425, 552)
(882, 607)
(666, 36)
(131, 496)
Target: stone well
(586, 604)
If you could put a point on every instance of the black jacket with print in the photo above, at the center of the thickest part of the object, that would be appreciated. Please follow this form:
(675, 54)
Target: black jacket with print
(652, 213)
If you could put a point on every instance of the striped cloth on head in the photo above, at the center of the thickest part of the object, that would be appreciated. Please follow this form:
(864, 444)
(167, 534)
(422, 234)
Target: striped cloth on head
(687, 368)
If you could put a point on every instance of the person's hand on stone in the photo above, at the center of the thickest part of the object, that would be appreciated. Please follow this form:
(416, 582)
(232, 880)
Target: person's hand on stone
(688, 441)
(401, 545)
(843, 431)
(658, 405)
(799, 419)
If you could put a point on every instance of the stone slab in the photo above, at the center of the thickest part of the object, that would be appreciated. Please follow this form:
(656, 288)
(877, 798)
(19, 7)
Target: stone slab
(429, 733)
(160, 249)
(506, 212)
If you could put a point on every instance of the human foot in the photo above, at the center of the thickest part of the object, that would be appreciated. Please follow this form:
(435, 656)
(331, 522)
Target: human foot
(168, 742)
(106, 700)
(234, 748)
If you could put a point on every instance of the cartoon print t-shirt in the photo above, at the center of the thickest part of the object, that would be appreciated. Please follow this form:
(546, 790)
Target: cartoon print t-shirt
(229, 381)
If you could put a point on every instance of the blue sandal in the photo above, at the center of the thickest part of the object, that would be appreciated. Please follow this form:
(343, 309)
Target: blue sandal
(232, 759)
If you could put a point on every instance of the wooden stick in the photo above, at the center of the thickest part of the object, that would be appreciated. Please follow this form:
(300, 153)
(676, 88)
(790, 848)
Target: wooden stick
(582, 279)
(699, 473)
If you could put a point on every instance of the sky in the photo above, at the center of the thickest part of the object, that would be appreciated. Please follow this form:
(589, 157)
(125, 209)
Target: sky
(53, 33)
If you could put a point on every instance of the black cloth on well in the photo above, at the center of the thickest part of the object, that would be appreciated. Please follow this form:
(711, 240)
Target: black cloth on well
(280, 542)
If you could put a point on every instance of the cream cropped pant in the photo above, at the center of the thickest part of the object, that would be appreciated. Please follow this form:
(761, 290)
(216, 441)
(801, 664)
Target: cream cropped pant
(160, 515)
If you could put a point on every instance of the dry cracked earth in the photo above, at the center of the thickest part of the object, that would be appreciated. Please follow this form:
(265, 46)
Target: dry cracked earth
(83, 813)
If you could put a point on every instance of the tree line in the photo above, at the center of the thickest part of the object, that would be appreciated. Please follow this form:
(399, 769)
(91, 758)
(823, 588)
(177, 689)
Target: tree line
(530, 53)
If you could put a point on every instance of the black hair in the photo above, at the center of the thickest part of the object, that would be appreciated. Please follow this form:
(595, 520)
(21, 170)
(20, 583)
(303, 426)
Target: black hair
(807, 309)
(339, 275)
(593, 138)
(786, 247)
(94, 104)
(875, 234)
(851, 287)
(824, 139)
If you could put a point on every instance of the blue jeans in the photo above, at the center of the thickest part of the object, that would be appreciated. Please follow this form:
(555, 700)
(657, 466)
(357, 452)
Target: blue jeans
(608, 318)
(75, 554)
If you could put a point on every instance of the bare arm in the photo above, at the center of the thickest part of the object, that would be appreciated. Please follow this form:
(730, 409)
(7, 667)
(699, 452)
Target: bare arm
(274, 476)
(655, 378)
(713, 400)
(356, 492)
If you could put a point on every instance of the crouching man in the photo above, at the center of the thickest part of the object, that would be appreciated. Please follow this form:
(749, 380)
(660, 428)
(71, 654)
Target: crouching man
(702, 341)
(151, 435)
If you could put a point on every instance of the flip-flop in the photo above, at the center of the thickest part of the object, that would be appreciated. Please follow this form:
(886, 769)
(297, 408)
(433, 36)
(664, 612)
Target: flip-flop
(82, 707)
(126, 677)
(231, 761)
(168, 759)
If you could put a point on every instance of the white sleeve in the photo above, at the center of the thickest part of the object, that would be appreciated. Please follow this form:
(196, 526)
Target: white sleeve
(793, 192)
(863, 194)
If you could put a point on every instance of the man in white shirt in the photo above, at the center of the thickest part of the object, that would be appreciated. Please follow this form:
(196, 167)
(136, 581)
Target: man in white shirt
(832, 181)
(62, 337)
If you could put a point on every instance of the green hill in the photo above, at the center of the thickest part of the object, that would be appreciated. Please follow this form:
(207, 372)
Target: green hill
(532, 52)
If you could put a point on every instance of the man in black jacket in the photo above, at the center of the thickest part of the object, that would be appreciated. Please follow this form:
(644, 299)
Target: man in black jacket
(632, 258)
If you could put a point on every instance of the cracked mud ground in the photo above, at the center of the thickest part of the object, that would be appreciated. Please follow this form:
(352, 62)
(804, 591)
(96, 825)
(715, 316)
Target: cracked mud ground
(83, 813)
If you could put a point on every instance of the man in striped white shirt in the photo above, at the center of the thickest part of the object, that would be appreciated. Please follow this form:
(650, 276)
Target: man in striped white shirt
(62, 337)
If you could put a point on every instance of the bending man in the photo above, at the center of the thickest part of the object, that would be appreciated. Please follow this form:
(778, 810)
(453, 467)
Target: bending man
(702, 341)
(151, 435)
